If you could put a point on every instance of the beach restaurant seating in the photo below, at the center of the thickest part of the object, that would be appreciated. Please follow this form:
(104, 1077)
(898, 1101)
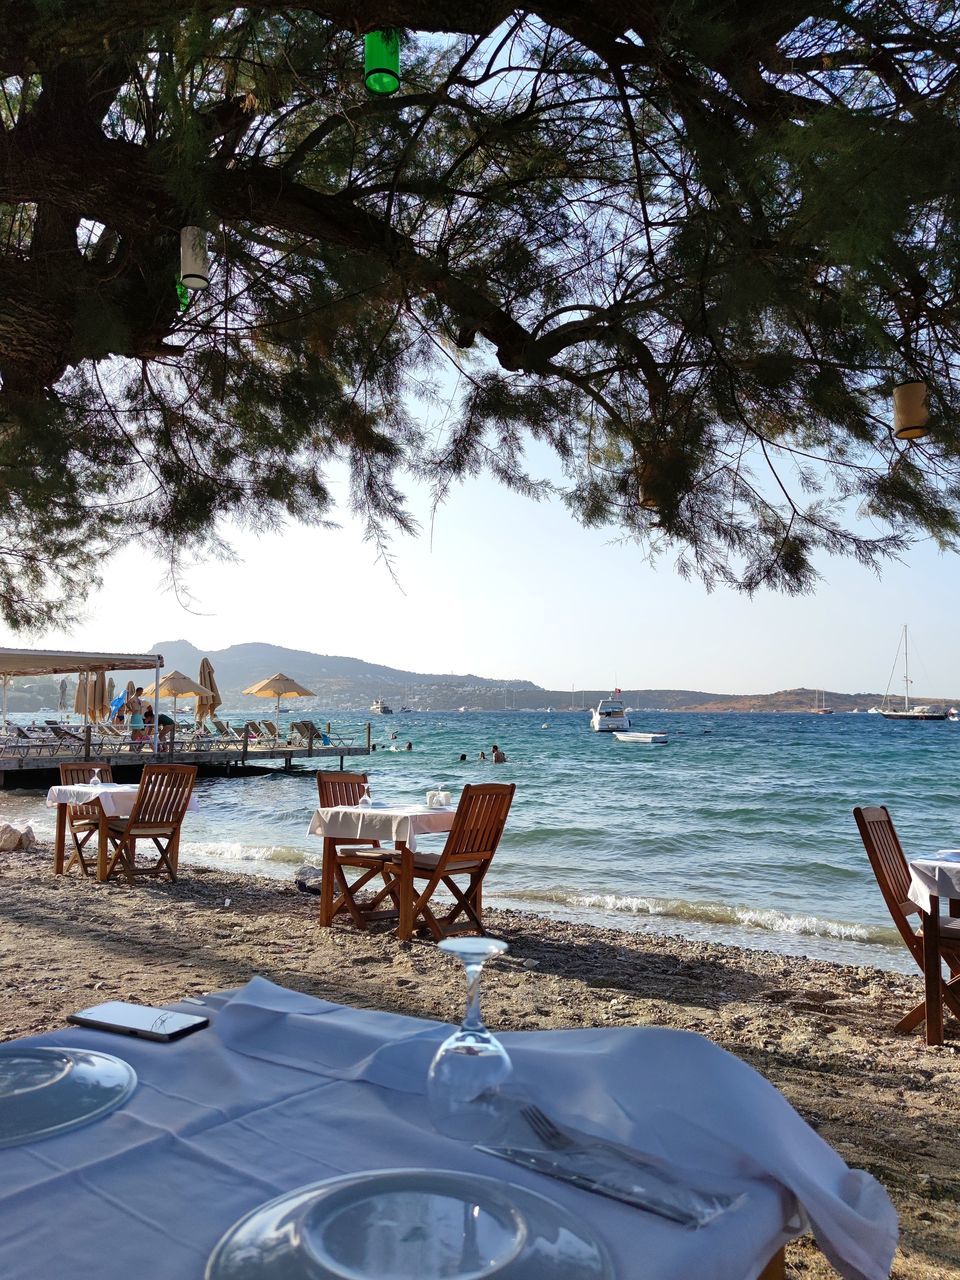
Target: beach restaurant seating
(340, 788)
(157, 815)
(83, 820)
(468, 851)
(893, 876)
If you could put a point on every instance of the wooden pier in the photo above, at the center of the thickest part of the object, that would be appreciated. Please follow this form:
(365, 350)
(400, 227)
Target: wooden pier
(39, 766)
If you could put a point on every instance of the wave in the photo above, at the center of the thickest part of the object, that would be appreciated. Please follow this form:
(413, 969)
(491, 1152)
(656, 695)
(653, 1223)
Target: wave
(768, 919)
(233, 851)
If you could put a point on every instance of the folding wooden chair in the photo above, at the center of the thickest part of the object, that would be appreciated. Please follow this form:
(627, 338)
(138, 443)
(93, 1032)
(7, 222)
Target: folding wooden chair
(893, 876)
(337, 892)
(469, 849)
(83, 820)
(157, 815)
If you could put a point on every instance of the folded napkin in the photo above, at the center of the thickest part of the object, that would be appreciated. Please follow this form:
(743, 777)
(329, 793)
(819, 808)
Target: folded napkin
(671, 1095)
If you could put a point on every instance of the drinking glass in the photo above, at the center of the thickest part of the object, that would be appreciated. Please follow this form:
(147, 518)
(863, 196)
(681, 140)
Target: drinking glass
(95, 778)
(366, 800)
(471, 1067)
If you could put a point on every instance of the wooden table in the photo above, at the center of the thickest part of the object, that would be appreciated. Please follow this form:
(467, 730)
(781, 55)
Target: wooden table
(114, 800)
(398, 825)
(931, 879)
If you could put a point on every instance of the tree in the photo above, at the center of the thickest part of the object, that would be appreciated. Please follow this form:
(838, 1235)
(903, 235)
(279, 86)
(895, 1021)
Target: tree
(690, 244)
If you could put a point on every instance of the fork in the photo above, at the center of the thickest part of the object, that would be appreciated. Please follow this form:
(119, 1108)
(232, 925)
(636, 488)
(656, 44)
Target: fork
(549, 1133)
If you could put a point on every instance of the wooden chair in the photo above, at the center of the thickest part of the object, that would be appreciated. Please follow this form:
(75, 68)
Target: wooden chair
(339, 856)
(893, 876)
(157, 815)
(83, 820)
(469, 849)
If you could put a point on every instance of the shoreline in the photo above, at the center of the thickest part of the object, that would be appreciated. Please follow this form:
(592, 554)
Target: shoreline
(821, 1032)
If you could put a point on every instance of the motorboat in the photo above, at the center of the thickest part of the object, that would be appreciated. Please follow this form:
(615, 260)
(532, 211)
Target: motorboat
(379, 708)
(609, 715)
(655, 739)
(908, 712)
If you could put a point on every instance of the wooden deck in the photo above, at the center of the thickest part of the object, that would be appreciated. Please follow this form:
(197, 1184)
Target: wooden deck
(36, 768)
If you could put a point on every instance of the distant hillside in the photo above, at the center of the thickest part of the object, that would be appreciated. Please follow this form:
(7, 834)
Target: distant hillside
(343, 684)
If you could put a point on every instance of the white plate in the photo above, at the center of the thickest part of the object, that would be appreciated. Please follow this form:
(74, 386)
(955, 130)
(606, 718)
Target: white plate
(46, 1091)
(410, 1224)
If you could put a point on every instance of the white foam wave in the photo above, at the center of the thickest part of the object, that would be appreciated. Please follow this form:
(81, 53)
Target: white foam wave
(767, 919)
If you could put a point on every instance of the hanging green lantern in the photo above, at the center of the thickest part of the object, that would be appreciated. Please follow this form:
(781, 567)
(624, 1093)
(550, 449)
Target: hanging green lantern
(381, 62)
(183, 293)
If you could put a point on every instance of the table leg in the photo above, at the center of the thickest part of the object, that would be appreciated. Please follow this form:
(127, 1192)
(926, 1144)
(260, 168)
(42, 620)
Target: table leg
(405, 906)
(933, 1005)
(103, 848)
(59, 840)
(327, 884)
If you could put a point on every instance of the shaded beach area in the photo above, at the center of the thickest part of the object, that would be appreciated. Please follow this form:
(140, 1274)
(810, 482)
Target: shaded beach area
(820, 1032)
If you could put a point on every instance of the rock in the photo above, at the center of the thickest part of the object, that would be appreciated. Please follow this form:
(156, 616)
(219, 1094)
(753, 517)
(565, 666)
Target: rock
(12, 837)
(9, 838)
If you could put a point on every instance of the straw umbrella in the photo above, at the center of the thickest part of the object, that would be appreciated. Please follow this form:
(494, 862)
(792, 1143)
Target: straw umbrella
(111, 686)
(279, 686)
(62, 704)
(207, 705)
(176, 685)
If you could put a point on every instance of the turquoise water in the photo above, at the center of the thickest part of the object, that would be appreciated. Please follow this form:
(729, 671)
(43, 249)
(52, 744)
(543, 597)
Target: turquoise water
(739, 830)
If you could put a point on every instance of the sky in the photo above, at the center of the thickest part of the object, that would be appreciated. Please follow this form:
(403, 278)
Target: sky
(513, 589)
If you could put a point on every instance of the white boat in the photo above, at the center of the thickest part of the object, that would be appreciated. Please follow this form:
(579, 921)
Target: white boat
(908, 712)
(658, 739)
(379, 708)
(609, 714)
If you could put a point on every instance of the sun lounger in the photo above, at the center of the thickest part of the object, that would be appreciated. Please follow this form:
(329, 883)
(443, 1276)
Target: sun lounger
(227, 735)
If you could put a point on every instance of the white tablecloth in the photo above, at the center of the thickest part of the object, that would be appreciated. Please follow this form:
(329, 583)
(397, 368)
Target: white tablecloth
(116, 798)
(937, 877)
(386, 823)
(285, 1089)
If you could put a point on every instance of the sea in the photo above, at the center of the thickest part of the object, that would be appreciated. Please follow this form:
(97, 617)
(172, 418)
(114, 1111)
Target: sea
(739, 830)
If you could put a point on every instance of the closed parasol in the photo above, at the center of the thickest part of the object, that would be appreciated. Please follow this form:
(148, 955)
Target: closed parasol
(279, 686)
(80, 701)
(63, 704)
(176, 685)
(208, 703)
(97, 706)
(110, 690)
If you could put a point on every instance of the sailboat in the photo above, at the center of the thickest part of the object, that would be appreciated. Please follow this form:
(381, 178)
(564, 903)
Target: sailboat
(820, 707)
(908, 712)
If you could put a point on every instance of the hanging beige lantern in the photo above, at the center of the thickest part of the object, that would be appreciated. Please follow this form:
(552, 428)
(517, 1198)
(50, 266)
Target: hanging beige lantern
(910, 412)
(194, 258)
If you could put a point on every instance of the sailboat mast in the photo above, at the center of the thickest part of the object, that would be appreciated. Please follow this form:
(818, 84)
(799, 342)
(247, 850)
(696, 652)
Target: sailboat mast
(906, 672)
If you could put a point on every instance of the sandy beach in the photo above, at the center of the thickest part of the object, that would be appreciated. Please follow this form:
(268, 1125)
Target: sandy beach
(820, 1032)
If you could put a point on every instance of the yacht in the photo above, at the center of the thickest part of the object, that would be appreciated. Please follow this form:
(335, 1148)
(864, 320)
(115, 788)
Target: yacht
(609, 715)
(820, 707)
(908, 712)
(379, 708)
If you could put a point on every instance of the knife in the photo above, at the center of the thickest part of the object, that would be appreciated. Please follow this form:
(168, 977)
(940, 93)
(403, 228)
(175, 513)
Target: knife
(628, 1179)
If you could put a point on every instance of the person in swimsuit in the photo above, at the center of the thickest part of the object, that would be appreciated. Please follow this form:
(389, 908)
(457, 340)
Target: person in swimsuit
(134, 709)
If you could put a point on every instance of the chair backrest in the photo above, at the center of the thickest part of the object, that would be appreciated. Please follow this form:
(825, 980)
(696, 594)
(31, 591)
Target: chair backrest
(336, 788)
(253, 729)
(72, 775)
(478, 824)
(163, 795)
(223, 729)
(271, 728)
(890, 867)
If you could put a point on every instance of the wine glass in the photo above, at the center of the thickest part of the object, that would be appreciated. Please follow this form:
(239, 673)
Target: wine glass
(366, 800)
(471, 1066)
